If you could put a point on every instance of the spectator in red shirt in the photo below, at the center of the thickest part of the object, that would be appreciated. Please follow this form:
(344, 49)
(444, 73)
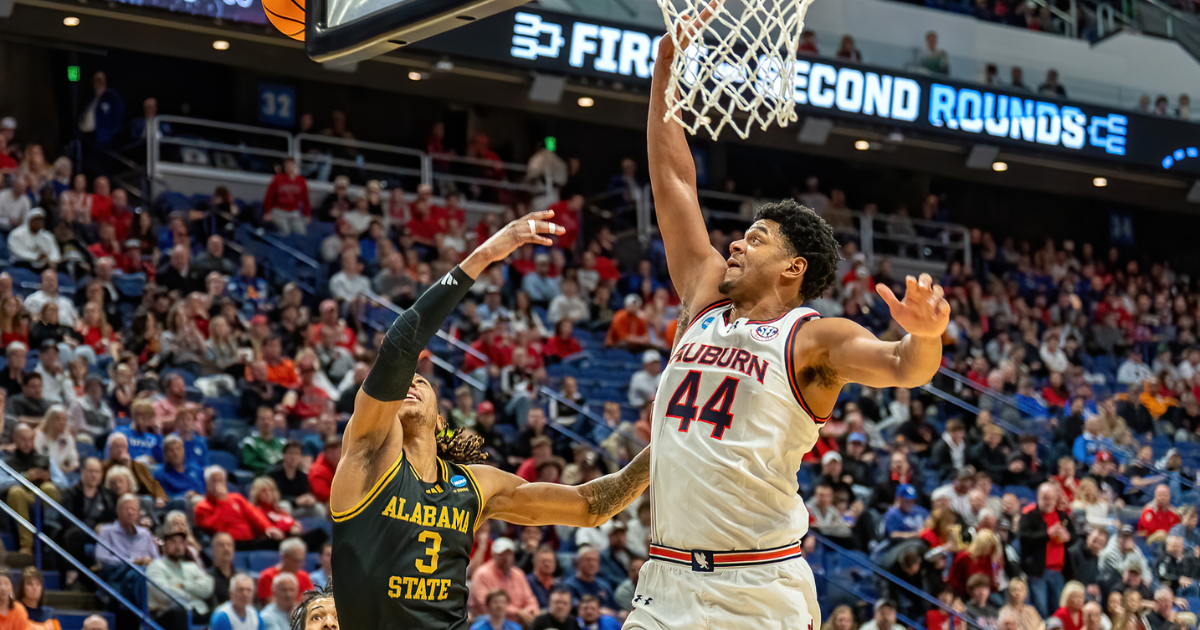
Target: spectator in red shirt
(291, 560)
(563, 344)
(425, 224)
(320, 475)
(223, 511)
(122, 217)
(453, 211)
(101, 200)
(1070, 610)
(979, 558)
(329, 317)
(567, 213)
(107, 245)
(286, 203)
(1045, 532)
(541, 450)
(1158, 517)
(309, 400)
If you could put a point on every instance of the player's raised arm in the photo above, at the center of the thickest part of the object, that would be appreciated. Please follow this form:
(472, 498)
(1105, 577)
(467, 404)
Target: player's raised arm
(840, 351)
(696, 267)
(514, 500)
(373, 437)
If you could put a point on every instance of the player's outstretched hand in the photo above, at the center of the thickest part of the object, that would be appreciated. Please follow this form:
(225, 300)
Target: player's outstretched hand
(533, 228)
(924, 311)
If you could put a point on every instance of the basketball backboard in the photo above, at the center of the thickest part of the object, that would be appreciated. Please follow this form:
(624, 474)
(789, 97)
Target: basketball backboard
(354, 30)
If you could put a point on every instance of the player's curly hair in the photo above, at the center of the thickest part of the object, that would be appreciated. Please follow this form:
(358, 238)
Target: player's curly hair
(300, 613)
(458, 447)
(809, 236)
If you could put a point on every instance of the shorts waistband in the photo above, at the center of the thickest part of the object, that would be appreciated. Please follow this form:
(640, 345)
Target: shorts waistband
(704, 561)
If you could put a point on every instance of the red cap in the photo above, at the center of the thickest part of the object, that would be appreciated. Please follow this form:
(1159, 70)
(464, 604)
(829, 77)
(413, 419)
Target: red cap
(258, 319)
(486, 407)
(425, 354)
(1104, 456)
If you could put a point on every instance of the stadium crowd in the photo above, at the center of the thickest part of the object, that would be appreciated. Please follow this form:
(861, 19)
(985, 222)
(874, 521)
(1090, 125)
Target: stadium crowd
(187, 407)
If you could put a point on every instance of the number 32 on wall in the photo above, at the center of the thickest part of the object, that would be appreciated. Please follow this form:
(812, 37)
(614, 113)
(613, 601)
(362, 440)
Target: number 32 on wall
(276, 105)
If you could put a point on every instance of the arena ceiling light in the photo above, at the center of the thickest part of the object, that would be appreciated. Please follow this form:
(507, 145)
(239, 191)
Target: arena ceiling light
(586, 101)
(862, 145)
(220, 44)
(1100, 182)
(999, 167)
(70, 20)
(415, 76)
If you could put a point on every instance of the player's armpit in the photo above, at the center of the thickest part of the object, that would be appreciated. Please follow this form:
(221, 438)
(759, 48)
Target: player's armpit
(848, 353)
(512, 499)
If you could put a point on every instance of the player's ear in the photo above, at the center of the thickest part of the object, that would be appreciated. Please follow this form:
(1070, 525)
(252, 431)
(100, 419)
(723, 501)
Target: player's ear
(796, 268)
(440, 423)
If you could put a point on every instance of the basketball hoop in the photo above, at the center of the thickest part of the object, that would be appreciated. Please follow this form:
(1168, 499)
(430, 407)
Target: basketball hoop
(736, 68)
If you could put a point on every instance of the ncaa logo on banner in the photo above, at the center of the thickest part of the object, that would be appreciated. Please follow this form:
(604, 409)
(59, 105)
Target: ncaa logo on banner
(764, 333)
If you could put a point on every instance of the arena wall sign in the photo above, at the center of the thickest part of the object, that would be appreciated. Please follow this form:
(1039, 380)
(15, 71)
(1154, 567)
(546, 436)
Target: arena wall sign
(568, 44)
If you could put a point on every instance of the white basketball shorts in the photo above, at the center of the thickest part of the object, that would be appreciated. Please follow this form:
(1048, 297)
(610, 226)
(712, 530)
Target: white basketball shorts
(780, 596)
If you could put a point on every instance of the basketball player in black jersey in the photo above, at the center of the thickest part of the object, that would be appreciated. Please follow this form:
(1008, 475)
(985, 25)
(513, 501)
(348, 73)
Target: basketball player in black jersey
(404, 515)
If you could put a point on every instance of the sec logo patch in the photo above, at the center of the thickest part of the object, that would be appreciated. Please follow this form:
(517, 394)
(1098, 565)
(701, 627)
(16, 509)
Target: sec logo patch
(764, 333)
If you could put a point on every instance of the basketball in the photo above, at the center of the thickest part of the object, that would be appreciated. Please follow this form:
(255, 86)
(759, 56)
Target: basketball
(287, 16)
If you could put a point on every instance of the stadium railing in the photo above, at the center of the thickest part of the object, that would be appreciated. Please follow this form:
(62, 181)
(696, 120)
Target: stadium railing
(42, 501)
(831, 562)
(182, 147)
(440, 362)
(877, 235)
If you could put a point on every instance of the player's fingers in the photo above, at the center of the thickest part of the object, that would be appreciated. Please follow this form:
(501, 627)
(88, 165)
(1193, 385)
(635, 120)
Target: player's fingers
(925, 281)
(545, 227)
(542, 240)
(910, 285)
(540, 215)
(885, 292)
(938, 291)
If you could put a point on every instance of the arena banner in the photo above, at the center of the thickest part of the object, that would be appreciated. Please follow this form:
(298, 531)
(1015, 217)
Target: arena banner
(248, 11)
(575, 45)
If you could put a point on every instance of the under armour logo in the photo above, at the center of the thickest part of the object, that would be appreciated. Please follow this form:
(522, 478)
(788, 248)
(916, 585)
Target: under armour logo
(448, 280)
(638, 599)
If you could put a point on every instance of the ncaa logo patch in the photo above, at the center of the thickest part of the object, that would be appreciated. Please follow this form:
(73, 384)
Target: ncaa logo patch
(458, 481)
(764, 333)
(707, 320)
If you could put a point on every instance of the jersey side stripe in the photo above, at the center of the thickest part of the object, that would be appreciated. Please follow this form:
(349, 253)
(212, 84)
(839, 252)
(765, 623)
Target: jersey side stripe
(704, 311)
(479, 498)
(375, 490)
(789, 359)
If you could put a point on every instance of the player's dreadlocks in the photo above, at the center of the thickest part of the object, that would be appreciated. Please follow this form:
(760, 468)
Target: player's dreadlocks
(301, 611)
(458, 447)
(810, 237)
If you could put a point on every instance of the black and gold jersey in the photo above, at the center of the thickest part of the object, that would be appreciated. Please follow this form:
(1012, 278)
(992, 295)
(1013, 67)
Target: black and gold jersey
(400, 556)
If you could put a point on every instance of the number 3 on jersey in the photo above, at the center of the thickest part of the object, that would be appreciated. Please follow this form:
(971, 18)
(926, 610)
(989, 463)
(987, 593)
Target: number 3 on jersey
(716, 411)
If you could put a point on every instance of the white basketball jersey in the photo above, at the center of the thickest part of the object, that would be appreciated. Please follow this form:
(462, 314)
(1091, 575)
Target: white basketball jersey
(730, 428)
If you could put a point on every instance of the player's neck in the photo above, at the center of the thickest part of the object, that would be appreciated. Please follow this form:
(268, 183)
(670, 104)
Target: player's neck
(421, 452)
(762, 308)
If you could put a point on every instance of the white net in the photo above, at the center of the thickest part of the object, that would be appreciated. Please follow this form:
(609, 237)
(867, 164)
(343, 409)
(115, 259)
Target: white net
(737, 67)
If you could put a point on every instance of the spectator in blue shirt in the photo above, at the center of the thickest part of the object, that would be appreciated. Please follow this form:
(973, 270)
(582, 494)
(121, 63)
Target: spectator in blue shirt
(195, 447)
(905, 518)
(178, 478)
(239, 610)
(592, 618)
(540, 285)
(144, 443)
(1092, 441)
(497, 603)
(247, 289)
(587, 581)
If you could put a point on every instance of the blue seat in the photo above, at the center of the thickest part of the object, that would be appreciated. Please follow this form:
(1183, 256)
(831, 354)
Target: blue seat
(1024, 494)
(131, 285)
(224, 460)
(312, 561)
(260, 561)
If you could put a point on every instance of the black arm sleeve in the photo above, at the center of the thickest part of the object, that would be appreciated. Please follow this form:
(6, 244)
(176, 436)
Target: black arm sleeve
(393, 371)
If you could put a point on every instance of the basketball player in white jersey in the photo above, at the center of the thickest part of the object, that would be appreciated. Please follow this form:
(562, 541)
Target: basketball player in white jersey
(751, 379)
